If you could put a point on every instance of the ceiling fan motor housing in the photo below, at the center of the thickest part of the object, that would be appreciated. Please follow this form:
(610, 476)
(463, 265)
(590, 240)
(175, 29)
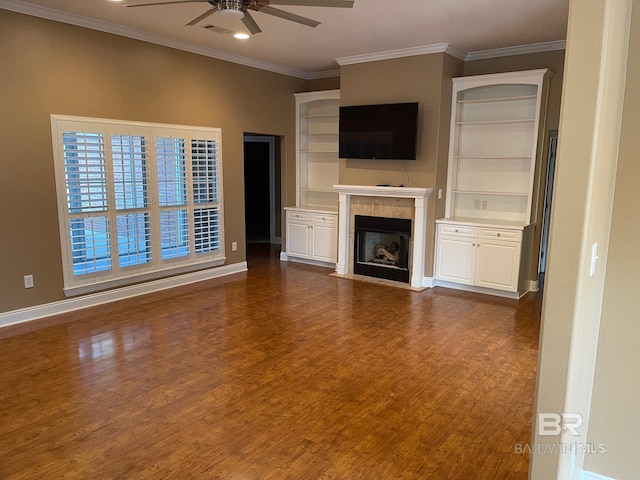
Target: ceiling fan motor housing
(231, 8)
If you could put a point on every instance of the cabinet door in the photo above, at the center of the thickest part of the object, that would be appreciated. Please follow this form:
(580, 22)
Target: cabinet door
(297, 238)
(497, 265)
(324, 243)
(455, 260)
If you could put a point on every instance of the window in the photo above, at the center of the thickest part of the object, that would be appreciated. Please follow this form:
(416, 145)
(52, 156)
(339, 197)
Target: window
(135, 201)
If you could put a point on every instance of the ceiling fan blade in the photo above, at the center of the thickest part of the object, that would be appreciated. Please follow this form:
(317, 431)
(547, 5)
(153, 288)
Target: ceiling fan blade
(250, 23)
(289, 16)
(221, 30)
(164, 3)
(211, 11)
(314, 3)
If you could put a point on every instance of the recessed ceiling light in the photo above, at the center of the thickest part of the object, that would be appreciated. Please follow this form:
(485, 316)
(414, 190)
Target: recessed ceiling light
(240, 36)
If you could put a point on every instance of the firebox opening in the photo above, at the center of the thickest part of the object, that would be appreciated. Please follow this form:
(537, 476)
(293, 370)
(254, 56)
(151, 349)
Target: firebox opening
(382, 247)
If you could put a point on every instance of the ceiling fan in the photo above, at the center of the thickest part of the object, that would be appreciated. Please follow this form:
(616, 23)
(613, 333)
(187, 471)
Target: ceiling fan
(240, 10)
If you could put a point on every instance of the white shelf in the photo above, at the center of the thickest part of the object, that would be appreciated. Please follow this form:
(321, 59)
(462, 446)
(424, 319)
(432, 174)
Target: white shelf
(495, 127)
(515, 98)
(319, 190)
(497, 194)
(497, 122)
(317, 115)
(320, 151)
(491, 157)
(333, 115)
(320, 157)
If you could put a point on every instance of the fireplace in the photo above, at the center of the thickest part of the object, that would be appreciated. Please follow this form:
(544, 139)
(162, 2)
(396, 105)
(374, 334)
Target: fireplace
(408, 203)
(381, 247)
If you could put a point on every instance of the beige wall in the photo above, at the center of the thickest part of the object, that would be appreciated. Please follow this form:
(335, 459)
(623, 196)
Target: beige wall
(615, 421)
(427, 80)
(589, 136)
(554, 61)
(331, 83)
(51, 67)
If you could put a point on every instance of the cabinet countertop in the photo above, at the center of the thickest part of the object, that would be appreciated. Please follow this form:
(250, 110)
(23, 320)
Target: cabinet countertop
(327, 210)
(488, 223)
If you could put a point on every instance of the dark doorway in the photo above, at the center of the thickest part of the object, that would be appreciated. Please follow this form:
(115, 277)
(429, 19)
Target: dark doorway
(256, 192)
(261, 194)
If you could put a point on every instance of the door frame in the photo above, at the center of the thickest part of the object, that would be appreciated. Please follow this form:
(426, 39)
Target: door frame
(271, 140)
(548, 198)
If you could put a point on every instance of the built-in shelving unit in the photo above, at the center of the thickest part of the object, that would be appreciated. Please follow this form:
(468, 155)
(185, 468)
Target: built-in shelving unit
(485, 241)
(311, 225)
(495, 125)
(317, 149)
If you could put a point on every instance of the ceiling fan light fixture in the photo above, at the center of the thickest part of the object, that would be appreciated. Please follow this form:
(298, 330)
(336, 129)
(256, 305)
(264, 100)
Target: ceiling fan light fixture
(232, 8)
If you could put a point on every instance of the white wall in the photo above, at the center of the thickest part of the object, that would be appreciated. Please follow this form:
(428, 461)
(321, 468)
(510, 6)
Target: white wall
(595, 74)
(615, 420)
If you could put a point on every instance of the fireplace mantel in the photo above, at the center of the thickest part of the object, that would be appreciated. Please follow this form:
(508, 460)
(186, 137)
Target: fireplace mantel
(377, 191)
(419, 195)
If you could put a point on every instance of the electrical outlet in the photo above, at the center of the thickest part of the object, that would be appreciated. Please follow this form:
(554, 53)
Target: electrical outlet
(476, 204)
(484, 204)
(234, 246)
(28, 281)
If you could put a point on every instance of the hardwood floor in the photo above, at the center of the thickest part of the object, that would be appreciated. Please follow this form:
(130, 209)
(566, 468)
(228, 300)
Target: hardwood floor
(284, 372)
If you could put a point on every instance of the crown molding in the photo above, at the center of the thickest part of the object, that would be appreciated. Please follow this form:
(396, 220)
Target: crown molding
(454, 52)
(402, 52)
(323, 74)
(77, 20)
(519, 50)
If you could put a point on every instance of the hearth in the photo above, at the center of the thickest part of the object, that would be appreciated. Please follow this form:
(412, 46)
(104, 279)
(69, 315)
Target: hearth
(381, 247)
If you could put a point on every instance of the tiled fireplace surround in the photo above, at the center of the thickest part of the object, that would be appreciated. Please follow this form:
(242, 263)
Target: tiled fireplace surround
(389, 202)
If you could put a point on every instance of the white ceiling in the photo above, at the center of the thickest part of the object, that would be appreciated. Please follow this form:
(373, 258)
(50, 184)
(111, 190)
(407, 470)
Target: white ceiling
(370, 27)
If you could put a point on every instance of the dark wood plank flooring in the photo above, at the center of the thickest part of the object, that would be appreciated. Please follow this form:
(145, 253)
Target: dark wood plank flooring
(284, 372)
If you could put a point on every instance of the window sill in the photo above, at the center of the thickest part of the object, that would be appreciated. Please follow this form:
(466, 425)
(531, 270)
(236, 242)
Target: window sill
(145, 277)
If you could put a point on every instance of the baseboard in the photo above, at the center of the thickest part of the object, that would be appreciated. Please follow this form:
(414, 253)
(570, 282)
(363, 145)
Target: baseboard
(287, 258)
(69, 305)
(428, 282)
(473, 288)
(593, 476)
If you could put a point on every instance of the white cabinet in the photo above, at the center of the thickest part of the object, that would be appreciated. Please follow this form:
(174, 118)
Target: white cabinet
(312, 235)
(317, 148)
(455, 254)
(485, 256)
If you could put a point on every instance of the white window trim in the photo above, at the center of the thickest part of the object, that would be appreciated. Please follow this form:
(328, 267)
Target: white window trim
(117, 277)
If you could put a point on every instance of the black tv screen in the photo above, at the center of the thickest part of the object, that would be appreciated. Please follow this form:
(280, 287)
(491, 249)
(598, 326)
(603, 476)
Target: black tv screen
(388, 131)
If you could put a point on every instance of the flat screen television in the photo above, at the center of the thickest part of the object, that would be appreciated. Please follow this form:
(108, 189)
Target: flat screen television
(387, 131)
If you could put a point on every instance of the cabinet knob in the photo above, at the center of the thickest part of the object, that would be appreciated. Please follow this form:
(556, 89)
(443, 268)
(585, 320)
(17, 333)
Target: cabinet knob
(456, 230)
(498, 235)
